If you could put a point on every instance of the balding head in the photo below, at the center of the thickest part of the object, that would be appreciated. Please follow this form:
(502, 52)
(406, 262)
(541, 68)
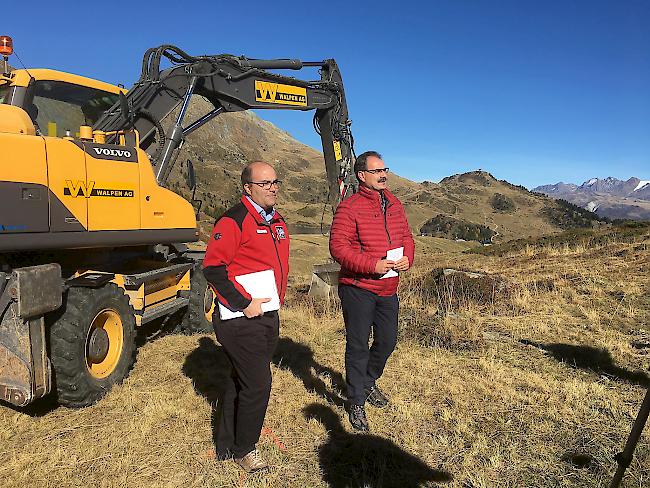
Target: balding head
(260, 183)
(247, 175)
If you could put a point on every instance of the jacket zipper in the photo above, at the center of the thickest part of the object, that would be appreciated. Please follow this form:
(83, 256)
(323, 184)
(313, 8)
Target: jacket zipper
(277, 253)
(386, 227)
(386, 221)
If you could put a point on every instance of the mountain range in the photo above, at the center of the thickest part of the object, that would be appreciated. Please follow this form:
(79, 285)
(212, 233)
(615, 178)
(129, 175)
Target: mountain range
(609, 197)
(221, 148)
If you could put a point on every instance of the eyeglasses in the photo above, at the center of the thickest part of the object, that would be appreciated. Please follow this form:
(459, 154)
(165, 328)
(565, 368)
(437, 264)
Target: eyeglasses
(266, 185)
(377, 171)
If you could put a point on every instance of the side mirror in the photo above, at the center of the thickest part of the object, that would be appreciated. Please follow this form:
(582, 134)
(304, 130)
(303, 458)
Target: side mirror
(190, 177)
(124, 108)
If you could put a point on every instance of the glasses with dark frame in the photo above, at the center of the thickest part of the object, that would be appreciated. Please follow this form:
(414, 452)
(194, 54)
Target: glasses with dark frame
(377, 171)
(266, 185)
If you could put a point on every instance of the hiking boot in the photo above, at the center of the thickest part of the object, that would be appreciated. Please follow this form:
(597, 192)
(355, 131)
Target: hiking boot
(251, 462)
(357, 415)
(376, 397)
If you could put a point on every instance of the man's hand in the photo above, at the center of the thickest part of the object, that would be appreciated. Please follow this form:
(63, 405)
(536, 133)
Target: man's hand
(402, 264)
(254, 309)
(384, 266)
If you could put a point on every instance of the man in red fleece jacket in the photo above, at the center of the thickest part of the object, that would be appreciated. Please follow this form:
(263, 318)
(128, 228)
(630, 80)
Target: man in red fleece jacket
(249, 237)
(366, 226)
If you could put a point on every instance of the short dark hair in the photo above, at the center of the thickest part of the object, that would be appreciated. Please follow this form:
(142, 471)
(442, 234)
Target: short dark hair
(247, 174)
(361, 163)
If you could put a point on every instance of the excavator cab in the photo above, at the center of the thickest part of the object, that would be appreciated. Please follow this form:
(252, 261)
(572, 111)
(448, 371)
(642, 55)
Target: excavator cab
(58, 103)
(4, 91)
(63, 107)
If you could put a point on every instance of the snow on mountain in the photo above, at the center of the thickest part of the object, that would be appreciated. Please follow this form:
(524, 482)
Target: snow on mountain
(642, 184)
(608, 197)
(557, 188)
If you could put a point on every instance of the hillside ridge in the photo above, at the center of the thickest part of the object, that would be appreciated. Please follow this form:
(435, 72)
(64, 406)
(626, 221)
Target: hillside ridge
(221, 149)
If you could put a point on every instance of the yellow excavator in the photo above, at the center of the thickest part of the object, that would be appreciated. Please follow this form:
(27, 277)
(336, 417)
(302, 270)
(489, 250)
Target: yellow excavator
(92, 244)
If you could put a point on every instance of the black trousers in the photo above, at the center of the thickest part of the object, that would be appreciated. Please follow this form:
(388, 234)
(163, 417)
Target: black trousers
(364, 311)
(249, 345)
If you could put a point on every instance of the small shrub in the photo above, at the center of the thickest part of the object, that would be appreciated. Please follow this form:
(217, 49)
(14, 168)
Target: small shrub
(451, 228)
(453, 291)
(502, 203)
(451, 331)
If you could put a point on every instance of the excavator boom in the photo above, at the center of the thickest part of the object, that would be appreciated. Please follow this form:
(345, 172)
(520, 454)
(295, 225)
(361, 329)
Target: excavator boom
(231, 84)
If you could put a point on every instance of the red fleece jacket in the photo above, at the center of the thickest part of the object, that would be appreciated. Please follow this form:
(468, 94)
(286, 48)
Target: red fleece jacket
(242, 242)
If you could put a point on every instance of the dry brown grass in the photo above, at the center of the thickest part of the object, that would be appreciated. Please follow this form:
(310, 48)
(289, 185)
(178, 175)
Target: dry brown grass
(539, 389)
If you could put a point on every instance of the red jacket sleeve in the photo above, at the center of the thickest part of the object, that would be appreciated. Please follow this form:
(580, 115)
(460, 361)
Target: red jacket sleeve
(342, 236)
(225, 240)
(409, 243)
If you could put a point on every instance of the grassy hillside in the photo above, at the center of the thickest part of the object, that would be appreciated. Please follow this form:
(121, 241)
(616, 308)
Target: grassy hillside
(533, 385)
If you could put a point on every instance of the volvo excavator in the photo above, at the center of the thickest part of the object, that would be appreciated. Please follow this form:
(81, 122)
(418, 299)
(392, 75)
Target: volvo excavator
(93, 245)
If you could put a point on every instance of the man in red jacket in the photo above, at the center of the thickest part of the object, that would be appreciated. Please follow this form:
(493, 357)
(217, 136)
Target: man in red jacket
(247, 238)
(366, 226)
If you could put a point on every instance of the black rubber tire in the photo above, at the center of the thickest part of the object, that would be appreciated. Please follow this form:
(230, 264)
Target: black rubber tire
(67, 334)
(194, 320)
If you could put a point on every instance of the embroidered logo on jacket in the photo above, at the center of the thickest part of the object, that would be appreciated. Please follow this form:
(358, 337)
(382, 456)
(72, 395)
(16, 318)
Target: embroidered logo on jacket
(217, 236)
(280, 232)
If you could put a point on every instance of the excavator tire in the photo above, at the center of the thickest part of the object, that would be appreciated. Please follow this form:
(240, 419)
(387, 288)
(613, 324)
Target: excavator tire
(92, 343)
(197, 318)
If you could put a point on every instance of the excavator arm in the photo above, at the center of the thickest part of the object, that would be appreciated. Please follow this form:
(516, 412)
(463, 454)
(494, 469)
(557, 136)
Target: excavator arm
(231, 84)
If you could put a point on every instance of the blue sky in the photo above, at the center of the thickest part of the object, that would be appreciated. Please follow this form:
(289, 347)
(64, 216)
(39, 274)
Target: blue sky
(534, 92)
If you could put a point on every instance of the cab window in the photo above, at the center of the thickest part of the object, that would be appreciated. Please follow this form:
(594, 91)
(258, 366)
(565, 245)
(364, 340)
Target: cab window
(59, 107)
(4, 93)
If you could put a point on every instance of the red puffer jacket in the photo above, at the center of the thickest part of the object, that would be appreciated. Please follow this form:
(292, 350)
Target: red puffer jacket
(362, 234)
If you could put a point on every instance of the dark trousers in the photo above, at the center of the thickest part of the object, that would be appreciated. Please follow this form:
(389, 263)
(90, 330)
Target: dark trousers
(364, 311)
(249, 345)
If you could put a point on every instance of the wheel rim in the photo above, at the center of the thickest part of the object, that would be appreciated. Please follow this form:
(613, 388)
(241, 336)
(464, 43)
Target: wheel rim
(208, 303)
(104, 343)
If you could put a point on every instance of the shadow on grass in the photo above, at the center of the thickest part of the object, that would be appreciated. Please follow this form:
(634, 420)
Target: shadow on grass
(592, 359)
(38, 408)
(365, 460)
(299, 359)
(208, 367)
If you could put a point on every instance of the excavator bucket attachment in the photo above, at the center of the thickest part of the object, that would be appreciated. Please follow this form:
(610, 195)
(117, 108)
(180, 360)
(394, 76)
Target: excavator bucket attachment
(24, 367)
(17, 379)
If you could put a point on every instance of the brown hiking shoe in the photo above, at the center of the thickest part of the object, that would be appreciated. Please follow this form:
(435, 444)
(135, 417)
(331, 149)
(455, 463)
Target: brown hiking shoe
(251, 462)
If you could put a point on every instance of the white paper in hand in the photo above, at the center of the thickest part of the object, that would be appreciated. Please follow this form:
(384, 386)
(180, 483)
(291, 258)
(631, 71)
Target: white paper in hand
(258, 285)
(393, 255)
